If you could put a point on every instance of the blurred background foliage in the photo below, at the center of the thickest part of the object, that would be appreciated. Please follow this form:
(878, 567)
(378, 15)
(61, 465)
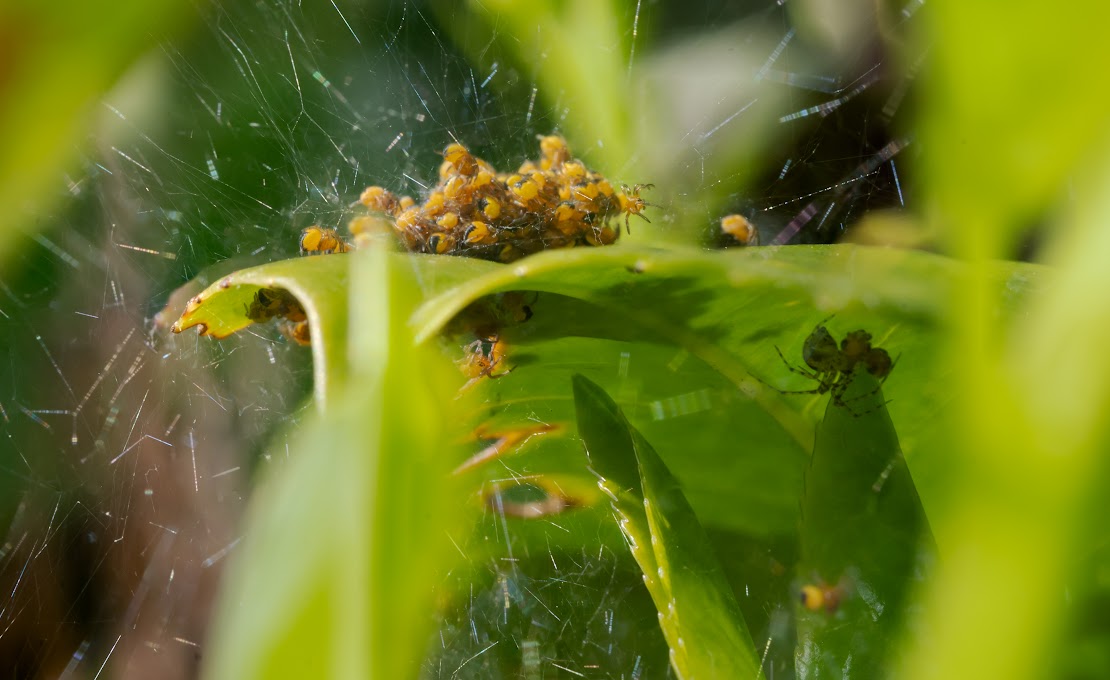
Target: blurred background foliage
(147, 145)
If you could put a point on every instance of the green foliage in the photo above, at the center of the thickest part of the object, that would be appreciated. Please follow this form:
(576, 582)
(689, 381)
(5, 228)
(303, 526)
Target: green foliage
(693, 378)
(980, 106)
(59, 59)
(318, 586)
(697, 611)
(1031, 402)
(863, 536)
(1000, 399)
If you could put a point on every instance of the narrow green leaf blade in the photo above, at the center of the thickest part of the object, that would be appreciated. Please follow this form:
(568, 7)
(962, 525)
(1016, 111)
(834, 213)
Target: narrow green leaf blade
(613, 459)
(698, 612)
(345, 544)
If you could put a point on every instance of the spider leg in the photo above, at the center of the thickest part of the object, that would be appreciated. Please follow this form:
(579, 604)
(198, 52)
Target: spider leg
(797, 369)
(839, 386)
(817, 390)
(865, 395)
(859, 414)
(502, 443)
(820, 389)
(487, 372)
(892, 367)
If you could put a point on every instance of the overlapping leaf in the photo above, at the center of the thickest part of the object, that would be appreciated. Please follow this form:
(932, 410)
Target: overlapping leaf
(685, 341)
(699, 615)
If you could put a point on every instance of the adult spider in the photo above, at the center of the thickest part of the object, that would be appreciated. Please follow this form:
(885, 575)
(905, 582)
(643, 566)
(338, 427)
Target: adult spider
(834, 366)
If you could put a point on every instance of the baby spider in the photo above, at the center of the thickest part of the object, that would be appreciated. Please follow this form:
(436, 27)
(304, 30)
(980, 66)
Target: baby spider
(833, 366)
(269, 303)
(817, 597)
(485, 357)
(297, 331)
(316, 239)
(278, 303)
(739, 230)
(631, 203)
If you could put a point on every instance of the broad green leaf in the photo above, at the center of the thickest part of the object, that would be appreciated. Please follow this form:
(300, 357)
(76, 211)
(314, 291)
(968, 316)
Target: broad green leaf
(319, 587)
(683, 339)
(865, 541)
(697, 610)
(678, 400)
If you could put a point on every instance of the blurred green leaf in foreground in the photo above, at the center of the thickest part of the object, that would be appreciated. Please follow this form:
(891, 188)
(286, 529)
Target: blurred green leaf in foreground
(57, 59)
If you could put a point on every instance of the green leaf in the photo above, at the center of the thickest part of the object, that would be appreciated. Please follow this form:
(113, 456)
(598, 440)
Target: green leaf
(319, 586)
(686, 339)
(864, 538)
(1028, 459)
(321, 285)
(997, 156)
(683, 340)
(698, 612)
(87, 46)
(581, 48)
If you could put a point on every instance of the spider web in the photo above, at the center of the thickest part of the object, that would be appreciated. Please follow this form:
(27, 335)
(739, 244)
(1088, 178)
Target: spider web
(126, 455)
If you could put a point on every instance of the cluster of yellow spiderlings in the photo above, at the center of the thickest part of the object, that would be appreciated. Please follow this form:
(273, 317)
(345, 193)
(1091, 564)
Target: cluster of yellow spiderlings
(280, 304)
(554, 202)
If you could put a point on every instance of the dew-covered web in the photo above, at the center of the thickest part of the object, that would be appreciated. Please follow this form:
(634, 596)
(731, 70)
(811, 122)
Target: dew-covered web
(127, 454)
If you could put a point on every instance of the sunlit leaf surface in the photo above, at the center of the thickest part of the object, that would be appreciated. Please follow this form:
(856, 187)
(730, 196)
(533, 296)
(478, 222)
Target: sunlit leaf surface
(685, 342)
